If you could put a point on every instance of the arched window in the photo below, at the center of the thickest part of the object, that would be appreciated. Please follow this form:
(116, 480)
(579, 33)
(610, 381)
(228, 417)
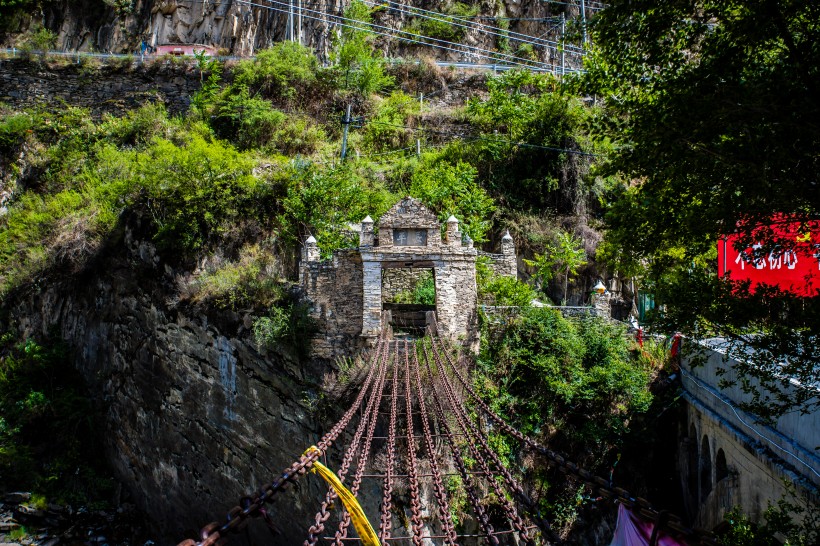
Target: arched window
(705, 469)
(693, 463)
(721, 470)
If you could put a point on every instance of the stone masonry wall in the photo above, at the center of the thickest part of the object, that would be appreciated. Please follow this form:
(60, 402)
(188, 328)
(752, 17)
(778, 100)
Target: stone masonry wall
(195, 416)
(334, 288)
(501, 264)
(108, 88)
(399, 280)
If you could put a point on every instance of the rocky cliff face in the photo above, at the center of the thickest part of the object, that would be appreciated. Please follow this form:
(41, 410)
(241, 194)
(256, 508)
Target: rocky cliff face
(241, 28)
(195, 415)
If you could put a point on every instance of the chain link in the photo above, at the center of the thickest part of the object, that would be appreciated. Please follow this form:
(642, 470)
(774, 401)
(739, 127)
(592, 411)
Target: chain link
(602, 486)
(387, 496)
(481, 514)
(438, 487)
(341, 532)
(315, 531)
(457, 411)
(415, 503)
(509, 480)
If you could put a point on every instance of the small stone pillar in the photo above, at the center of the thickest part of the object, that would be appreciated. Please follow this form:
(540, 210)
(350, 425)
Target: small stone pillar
(366, 236)
(452, 236)
(311, 250)
(509, 263)
(468, 241)
(507, 244)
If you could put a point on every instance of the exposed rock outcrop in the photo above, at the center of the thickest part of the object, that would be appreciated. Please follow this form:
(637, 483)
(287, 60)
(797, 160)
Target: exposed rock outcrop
(195, 415)
(241, 28)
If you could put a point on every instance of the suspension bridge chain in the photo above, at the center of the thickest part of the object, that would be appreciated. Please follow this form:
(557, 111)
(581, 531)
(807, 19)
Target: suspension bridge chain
(417, 391)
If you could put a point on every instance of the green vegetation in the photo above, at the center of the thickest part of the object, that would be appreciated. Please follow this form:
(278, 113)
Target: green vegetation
(422, 293)
(501, 290)
(48, 437)
(565, 255)
(712, 111)
(445, 26)
(451, 189)
(286, 324)
(574, 384)
(793, 518)
(362, 68)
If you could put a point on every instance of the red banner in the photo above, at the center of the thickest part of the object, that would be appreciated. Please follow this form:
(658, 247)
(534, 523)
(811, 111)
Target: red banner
(793, 268)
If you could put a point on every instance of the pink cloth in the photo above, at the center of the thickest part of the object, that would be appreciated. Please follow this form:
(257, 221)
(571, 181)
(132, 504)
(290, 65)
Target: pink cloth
(633, 531)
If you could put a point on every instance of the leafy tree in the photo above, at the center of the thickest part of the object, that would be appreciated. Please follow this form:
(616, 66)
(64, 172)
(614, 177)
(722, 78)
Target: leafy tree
(361, 65)
(566, 254)
(572, 377)
(452, 190)
(712, 109)
(525, 107)
(323, 201)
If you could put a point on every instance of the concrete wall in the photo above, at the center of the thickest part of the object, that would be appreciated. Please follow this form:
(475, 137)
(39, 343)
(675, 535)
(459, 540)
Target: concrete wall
(758, 457)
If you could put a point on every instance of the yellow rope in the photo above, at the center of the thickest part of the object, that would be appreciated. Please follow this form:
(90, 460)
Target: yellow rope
(363, 528)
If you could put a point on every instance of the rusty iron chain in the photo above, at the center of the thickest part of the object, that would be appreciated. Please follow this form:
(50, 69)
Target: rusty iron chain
(370, 413)
(252, 506)
(438, 487)
(597, 483)
(344, 524)
(509, 480)
(415, 503)
(466, 480)
(387, 495)
(456, 409)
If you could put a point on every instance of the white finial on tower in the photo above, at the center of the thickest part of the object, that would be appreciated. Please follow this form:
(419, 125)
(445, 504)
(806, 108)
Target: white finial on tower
(311, 250)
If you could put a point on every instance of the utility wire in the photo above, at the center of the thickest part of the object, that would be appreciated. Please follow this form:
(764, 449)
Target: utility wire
(489, 29)
(361, 25)
(486, 139)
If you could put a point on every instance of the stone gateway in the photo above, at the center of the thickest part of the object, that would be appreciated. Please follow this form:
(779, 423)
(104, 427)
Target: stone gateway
(345, 292)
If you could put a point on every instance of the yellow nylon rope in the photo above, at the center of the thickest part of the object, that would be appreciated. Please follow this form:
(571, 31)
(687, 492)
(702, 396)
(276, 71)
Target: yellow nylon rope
(363, 528)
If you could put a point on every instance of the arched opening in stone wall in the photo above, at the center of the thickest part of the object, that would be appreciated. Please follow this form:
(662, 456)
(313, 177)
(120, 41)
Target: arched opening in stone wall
(721, 469)
(409, 293)
(692, 457)
(705, 469)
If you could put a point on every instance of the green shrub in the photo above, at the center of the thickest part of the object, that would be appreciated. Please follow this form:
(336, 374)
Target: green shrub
(48, 438)
(14, 129)
(451, 189)
(501, 290)
(361, 66)
(41, 40)
(277, 72)
(571, 376)
(248, 122)
(385, 128)
(445, 26)
(194, 191)
(250, 281)
(285, 326)
(424, 292)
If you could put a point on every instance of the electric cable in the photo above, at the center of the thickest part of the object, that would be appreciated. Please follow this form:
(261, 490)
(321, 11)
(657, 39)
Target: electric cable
(485, 139)
(451, 20)
(361, 25)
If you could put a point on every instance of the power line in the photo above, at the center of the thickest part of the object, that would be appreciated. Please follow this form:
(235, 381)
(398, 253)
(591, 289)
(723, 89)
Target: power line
(361, 25)
(451, 20)
(486, 139)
